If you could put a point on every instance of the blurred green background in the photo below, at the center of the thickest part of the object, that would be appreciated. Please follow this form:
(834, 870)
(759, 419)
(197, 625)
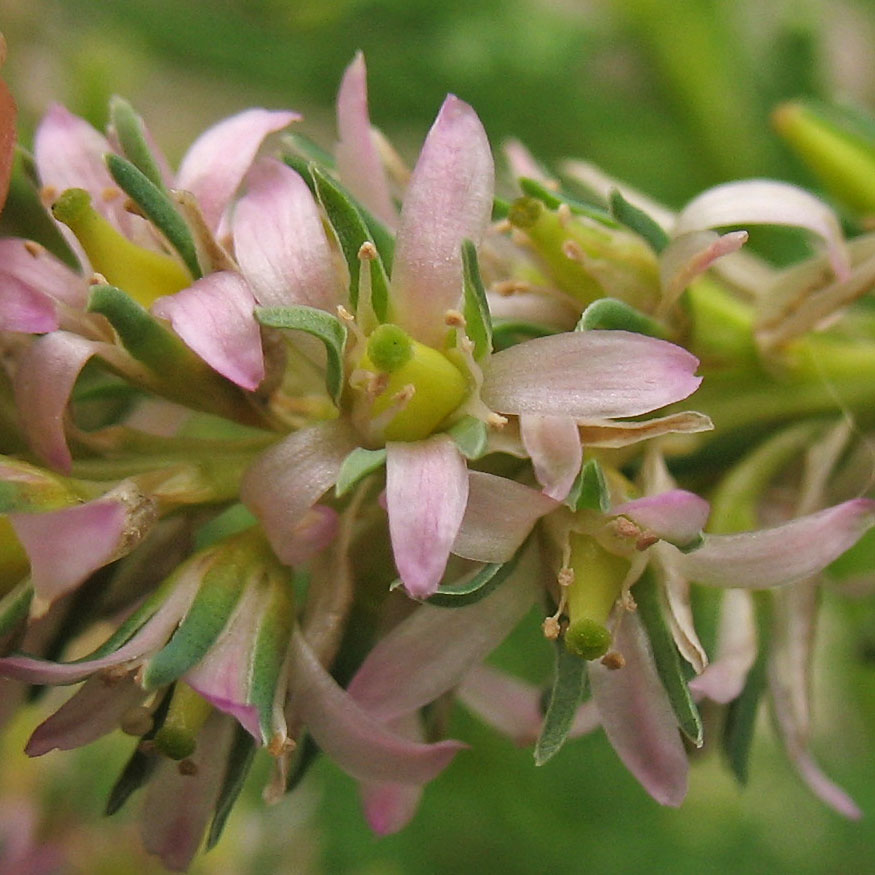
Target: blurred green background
(673, 97)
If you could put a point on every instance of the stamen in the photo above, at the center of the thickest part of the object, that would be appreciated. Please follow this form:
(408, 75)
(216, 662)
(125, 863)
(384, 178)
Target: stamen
(614, 660)
(33, 248)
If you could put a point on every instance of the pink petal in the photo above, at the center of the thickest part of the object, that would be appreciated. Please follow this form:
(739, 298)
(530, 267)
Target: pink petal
(351, 735)
(287, 480)
(41, 272)
(215, 318)
(178, 807)
(498, 517)
(448, 200)
(766, 202)
(638, 718)
(589, 374)
(150, 638)
(822, 787)
(93, 711)
(553, 444)
(312, 534)
(22, 308)
(781, 555)
(280, 242)
(358, 161)
(426, 494)
(676, 516)
(724, 679)
(434, 648)
(217, 161)
(65, 546)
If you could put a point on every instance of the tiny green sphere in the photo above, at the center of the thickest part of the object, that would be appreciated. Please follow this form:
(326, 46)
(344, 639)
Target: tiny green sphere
(389, 347)
(587, 638)
(71, 205)
(525, 212)
(175, 743)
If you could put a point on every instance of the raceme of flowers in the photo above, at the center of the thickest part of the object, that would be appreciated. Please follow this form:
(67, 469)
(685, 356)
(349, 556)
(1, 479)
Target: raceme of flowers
(291, 442)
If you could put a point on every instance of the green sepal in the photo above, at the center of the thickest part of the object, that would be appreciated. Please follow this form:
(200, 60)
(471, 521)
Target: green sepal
(510, 332)
(590, 489)
(218, 595)
(570, 683)
(478, 321)
(157, 208)
(352, 231)
(36, 491)
(609, 314)
(667, 659)
(554, 199)
(638, 221)
(306, 754)
(239, 763)
(140, 766)
(308, 150)
(131, 135)
(320, 324)
(472, 588)
(14, 607)
(471, 436)
(500, 209)
(356, 466)
(232, 520)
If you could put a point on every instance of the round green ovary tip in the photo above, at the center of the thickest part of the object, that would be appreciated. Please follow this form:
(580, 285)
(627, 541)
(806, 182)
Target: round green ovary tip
(389, 347)
(71, 205)
(587, 638)
(175, 743)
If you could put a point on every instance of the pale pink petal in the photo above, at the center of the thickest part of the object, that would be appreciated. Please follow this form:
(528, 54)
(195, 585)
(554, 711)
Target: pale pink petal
(822, 787)
(93, 711)
(781, 555)
(766, 202)
(358, 161)
(280, 242)
(350, 734)
(178, 807)
(689, 256)
(521, 161)
(612, 435)
(24, 309)
(215, 318)
(434, 648)
(676, 516)
(217, 161)
(553, 444)
(39, 270)
(65, 546)
(638, 718)
(448, 200)
(724, 679)
(312, 534)
(151, 637)
(498, 517)
(426, 494)
(288, 479)
(589, 374)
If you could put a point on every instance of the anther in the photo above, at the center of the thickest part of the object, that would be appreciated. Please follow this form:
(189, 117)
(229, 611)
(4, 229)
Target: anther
(109, 194)
(33, 248)
(572, 251)
(614, 660)
(367, 251)
(187, 768)
(454, 319)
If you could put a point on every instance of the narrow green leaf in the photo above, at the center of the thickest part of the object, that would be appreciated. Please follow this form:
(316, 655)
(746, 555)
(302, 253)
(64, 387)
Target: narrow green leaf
(322, 325)
(140, 766)
(473, 587)
(569, 685)
(638, 221)
(511, 332)
(233, 519)
(478, 322)
(555, 199)
(356, 466)
(14, 607)
(590, 489)
(219, 593)
(306, 754)
(471, 436)
(668, 662)
(609, 314)
(309, 150)
(131, 135)
(239, 763)
(301, 166)
(158, 208)
(352, 231)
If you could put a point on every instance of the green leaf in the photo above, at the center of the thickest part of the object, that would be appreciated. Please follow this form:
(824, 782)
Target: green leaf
(327, 328)
(140, 766)
(239, 763)
(472, 587)
(478, 322)
(471, 436)
(233, 519)
(217, 597)
(131, 134)
(569, 685)
(612, 315)
(590, 489)
(301, 166)
(638, 221)
(665, 654)
(511, 332)
(14, 607)
(158, 208)
(554, 199)
(306, 754)
(352, 231)
(356, 466)
(309, 150)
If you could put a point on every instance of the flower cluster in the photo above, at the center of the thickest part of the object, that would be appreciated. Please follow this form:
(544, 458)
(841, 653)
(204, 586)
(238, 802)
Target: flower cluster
(293, 442)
